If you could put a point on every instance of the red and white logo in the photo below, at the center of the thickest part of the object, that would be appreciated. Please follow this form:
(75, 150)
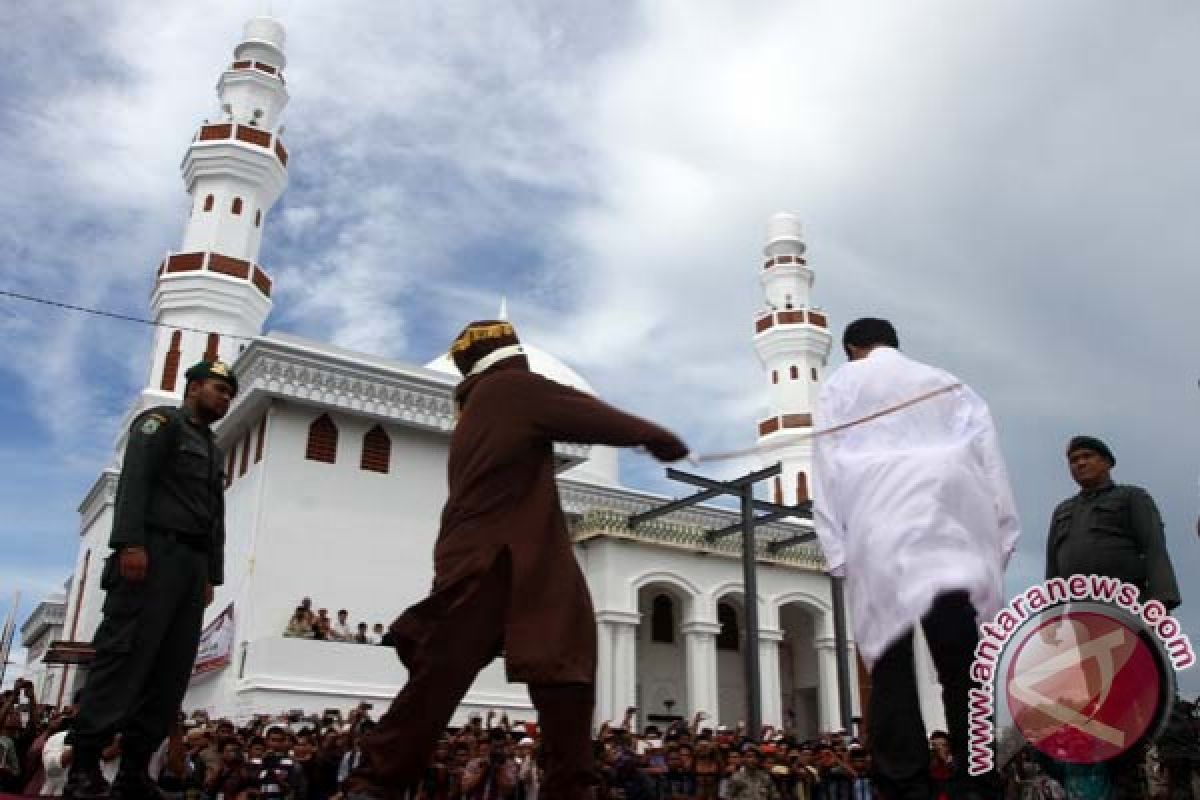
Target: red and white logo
(1084, 687)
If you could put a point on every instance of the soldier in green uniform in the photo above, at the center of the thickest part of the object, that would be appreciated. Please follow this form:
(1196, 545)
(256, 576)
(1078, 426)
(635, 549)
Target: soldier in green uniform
(1109, 529)
(1112, 530)
(168, 542)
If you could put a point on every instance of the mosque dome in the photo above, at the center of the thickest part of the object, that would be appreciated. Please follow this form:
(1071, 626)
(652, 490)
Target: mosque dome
(601, 465)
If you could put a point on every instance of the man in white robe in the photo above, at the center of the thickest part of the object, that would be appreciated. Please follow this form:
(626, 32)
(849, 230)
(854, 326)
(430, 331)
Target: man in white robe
(913, 506)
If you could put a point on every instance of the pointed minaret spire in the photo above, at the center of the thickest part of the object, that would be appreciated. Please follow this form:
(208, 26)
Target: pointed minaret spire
(792, 339)
(503, 308)
(235, 169)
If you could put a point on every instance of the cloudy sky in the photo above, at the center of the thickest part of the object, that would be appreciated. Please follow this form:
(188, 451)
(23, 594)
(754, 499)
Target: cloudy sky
(1012, 183)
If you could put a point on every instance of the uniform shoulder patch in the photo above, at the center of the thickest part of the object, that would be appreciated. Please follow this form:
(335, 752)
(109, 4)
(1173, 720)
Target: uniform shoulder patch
(151, 424)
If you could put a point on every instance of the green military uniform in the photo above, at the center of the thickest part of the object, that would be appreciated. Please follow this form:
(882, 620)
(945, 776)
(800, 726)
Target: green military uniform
(170, 500)
(1114, 530)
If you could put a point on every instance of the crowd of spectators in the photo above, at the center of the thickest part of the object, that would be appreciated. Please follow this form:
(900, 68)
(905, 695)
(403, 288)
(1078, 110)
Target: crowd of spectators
(299, 756)
(308, 624)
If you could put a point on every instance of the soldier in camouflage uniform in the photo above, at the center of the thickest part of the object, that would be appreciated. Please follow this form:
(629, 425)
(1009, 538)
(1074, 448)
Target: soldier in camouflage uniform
(168, 542)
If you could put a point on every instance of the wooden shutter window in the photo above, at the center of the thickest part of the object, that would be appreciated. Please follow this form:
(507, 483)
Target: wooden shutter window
(377, 450)
(322, 440)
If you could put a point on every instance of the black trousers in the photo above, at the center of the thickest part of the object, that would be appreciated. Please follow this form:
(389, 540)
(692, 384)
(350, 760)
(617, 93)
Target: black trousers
(145, 649)
(898, 740)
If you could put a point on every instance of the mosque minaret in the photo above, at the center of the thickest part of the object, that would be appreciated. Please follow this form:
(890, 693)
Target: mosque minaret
(792, 339)
(235, 169)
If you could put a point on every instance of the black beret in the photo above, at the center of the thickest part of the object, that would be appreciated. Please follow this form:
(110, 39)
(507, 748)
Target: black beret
(212, 369)
(1093, 444)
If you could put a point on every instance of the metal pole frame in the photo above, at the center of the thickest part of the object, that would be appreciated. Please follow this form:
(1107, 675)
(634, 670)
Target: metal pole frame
(750, 603)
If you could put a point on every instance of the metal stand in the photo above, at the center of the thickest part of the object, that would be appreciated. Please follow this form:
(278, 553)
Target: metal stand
(743, 489)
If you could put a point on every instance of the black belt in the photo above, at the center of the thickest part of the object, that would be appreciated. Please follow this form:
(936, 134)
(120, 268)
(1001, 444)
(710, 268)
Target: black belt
(190, 540)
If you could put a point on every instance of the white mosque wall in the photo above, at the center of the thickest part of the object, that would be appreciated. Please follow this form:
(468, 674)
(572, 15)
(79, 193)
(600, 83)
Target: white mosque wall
(346, 537)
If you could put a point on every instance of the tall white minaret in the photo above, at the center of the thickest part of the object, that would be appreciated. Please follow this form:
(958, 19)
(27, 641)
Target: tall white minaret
(235, 169)
(792, 339)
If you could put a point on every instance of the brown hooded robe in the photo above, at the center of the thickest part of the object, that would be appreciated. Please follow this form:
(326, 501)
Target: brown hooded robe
(503, 501)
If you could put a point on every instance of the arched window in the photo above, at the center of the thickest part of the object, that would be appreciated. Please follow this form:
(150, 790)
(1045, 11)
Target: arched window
(322, 440)
(208, 203)
(662, 620)
(211, 347)
(774, 376)
(171, 364)
(795, 372)
(377, 450)
(814, 373)
(728, 638)
(258, 218)
(801, 487)
(237, 205)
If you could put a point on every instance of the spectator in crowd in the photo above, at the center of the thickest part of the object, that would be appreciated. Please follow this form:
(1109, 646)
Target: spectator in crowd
(707, 770)
(230, 770)
(377, 633)
(362, 637)
(493, 773)
(860, 767)
(16, 734)
(341, 629)
(941, 764)
(834, 777)
(804, 773)
(751, 781)
(300, 626)
(281, 776)
(322, 629)
(678, 782)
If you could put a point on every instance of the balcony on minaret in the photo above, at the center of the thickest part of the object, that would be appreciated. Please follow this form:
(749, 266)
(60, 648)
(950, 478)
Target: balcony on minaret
(771, 319)
(218, 264)
(247, 134)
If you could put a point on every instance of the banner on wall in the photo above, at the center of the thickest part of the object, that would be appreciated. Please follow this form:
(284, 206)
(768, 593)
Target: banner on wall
(216, 644)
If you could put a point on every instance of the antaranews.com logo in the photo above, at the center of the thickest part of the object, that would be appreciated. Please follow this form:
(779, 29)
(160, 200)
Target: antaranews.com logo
(1084, 671)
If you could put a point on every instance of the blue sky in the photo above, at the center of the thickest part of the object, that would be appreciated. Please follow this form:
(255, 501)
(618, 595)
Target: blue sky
(1013, 183)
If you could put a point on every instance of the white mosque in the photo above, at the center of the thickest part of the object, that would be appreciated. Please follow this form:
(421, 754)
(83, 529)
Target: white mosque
(335, 478)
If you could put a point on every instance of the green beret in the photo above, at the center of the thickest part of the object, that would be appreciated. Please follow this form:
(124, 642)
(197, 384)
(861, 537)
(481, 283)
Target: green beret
(213, 369)
(1095, 445)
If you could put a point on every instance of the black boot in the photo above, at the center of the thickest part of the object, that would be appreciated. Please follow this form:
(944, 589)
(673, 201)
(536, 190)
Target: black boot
(85, 781)
(133, 782)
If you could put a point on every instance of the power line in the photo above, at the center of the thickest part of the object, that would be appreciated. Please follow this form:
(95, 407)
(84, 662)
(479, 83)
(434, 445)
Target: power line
(114, 315)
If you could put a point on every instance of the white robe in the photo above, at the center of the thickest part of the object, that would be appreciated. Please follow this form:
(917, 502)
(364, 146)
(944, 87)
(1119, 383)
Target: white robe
(912, 504)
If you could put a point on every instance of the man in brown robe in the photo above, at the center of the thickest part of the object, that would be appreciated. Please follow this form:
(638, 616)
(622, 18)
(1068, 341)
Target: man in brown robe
(505, 576)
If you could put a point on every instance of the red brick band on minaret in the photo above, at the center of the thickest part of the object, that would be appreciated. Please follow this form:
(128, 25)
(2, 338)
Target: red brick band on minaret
(171, 364)
(210, 351)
